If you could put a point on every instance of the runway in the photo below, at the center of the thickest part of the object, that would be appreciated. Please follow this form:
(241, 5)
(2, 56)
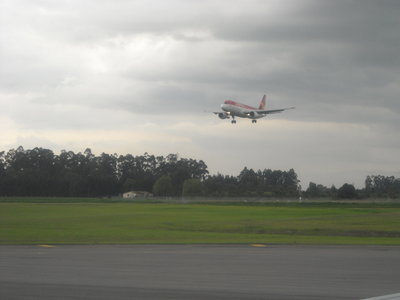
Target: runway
(198, 272)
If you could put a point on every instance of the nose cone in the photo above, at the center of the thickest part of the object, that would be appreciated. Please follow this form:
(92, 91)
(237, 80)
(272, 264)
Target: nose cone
(223, 107)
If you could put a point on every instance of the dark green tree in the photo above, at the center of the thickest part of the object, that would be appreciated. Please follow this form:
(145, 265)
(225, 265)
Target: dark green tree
(317, 191)
(382, 186)
(347, 191)
(163, 186)
(192, 187)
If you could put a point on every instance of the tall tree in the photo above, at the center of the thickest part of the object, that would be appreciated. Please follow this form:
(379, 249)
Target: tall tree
(163, 186)
(192, 187)
(347, 191)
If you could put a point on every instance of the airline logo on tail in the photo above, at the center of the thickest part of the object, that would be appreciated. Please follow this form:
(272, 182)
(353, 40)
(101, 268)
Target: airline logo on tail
(262, 103)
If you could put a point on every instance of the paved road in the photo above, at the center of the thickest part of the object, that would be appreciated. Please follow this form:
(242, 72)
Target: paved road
(198, 272)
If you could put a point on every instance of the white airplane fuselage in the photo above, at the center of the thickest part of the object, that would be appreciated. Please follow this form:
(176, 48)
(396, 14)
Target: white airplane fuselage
(240, 110)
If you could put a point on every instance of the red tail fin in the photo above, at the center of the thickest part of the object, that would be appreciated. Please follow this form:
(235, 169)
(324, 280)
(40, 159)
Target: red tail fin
(262, 103)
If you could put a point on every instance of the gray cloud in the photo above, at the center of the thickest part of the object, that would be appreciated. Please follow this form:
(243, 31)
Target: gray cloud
(109, 65)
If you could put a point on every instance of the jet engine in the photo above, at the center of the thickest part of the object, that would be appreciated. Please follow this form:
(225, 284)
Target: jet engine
(253, 114)
(223, 115)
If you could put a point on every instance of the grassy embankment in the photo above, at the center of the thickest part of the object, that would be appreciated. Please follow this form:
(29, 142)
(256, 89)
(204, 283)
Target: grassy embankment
(138, 223)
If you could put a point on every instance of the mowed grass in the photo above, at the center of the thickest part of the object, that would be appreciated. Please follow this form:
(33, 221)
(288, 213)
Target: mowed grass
(132, 223)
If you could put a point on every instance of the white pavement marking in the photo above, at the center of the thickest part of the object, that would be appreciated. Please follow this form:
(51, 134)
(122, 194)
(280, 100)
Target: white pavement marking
(386, 297)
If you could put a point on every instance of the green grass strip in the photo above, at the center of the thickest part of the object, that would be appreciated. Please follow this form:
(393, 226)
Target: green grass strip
(132, 223)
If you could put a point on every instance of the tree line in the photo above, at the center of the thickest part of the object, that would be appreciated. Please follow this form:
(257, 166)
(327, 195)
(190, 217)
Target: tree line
(376, 186)
(41, 172)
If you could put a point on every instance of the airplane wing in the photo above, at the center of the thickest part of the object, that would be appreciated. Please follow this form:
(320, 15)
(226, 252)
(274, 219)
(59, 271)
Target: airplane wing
(222, 112)
(274, 111)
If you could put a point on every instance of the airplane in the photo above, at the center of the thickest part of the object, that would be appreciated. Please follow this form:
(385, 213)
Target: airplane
(235, 109)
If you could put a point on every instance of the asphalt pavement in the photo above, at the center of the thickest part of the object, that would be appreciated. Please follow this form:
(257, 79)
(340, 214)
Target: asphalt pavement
(198, 272)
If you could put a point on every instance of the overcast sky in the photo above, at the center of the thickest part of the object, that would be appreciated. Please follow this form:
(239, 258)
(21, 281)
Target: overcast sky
(144, 76)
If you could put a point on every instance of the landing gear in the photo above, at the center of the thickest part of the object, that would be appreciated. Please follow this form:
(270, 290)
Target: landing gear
(253, 121)
(233, 120)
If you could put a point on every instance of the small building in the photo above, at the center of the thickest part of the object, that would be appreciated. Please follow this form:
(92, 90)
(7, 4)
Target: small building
(136, 194)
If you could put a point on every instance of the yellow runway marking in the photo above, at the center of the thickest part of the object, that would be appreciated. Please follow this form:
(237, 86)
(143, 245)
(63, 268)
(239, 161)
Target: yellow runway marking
(258, 245)
(46, 246)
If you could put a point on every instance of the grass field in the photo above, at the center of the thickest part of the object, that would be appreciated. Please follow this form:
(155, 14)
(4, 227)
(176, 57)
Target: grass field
(138, 223)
